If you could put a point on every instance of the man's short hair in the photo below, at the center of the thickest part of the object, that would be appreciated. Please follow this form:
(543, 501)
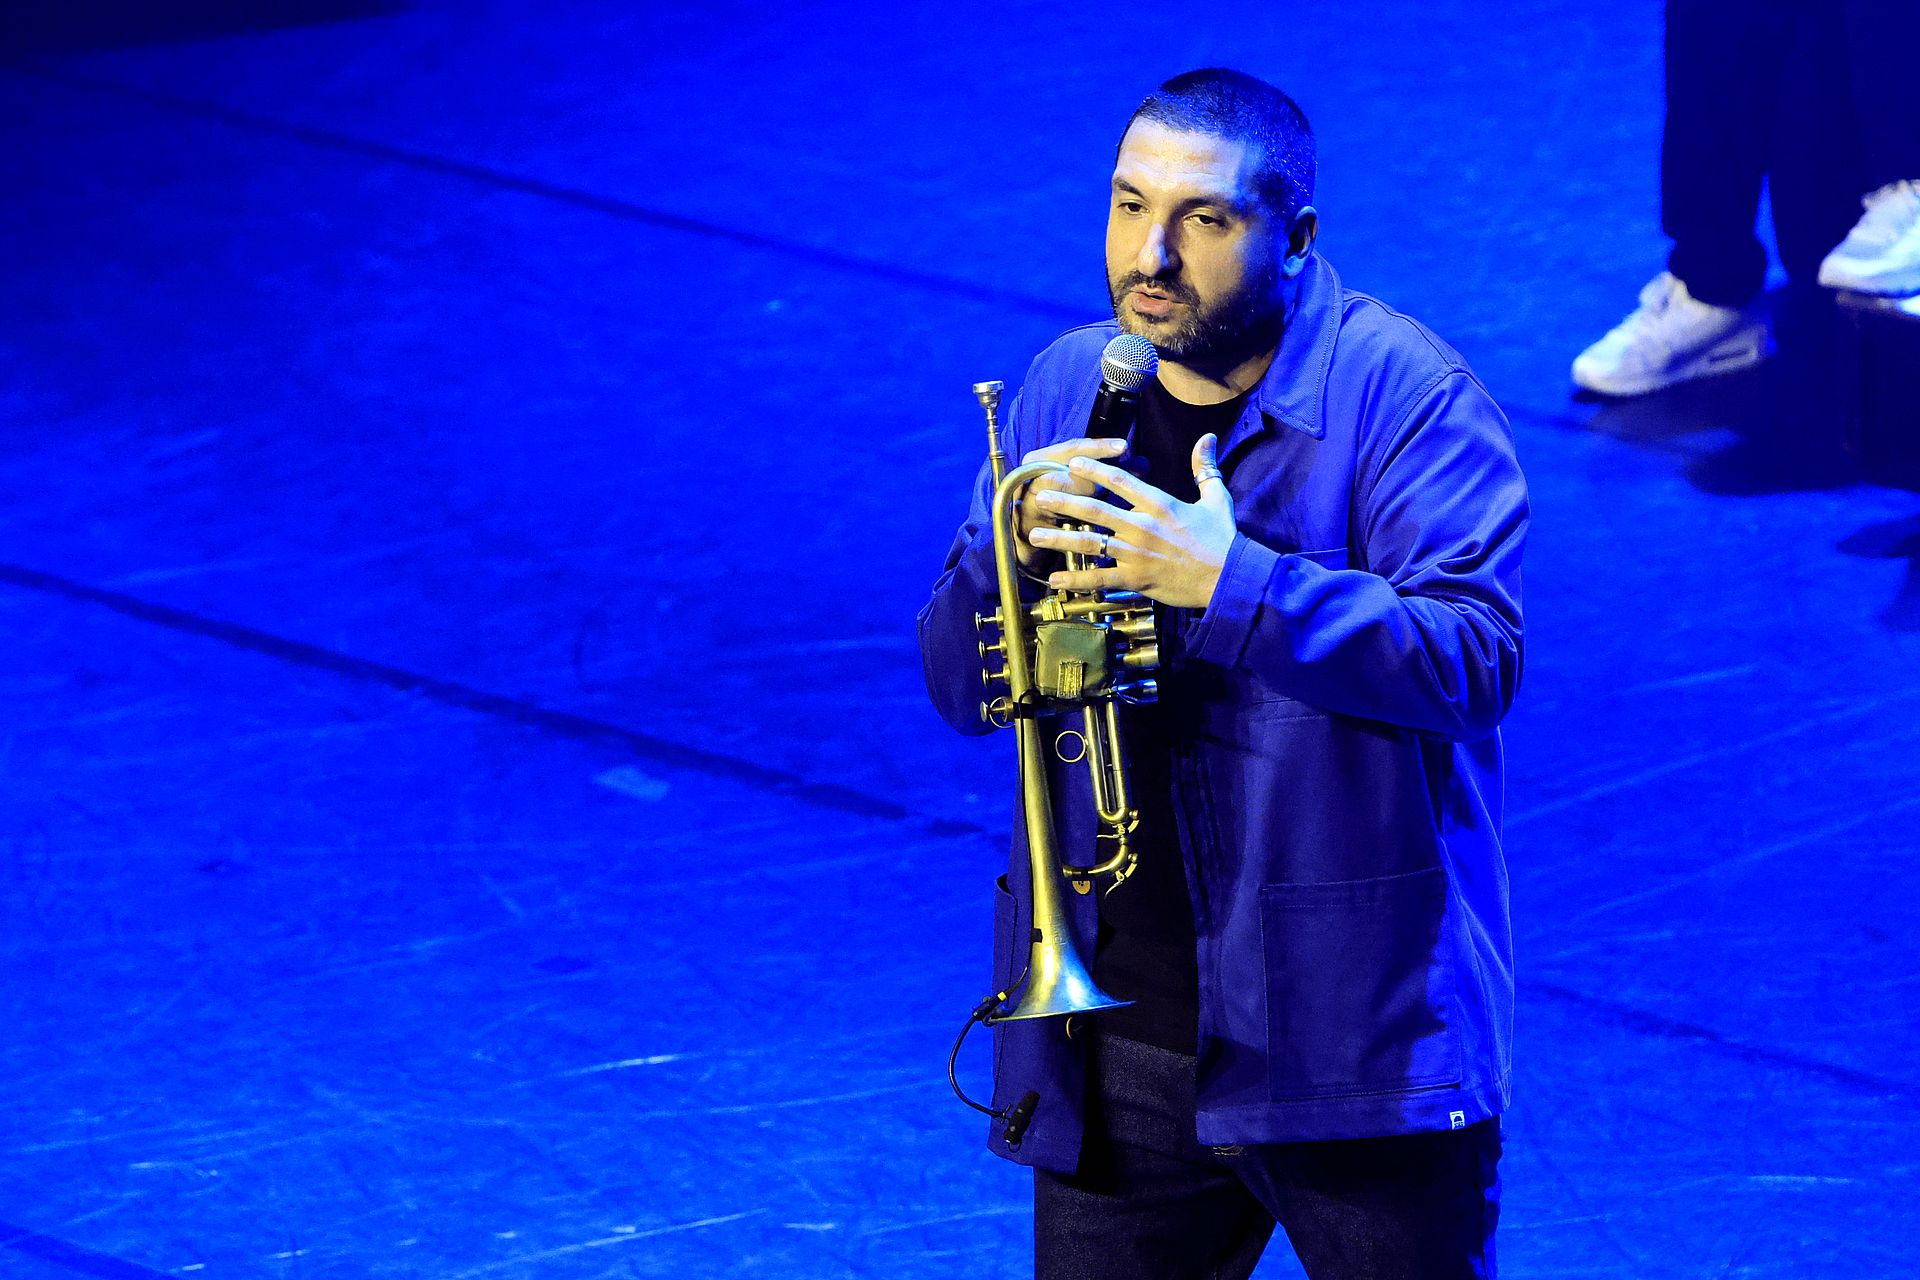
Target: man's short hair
(1224, 103)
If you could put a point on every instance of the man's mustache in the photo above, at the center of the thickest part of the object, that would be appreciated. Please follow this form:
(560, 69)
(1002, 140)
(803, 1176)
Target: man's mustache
(1173, 288)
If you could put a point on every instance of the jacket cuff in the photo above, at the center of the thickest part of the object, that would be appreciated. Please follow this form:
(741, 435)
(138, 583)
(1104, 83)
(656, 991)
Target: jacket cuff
(1220, 635)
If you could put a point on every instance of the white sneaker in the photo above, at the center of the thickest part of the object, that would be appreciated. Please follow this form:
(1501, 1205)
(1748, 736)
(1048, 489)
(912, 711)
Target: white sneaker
(1882, 252)
(1671, 337)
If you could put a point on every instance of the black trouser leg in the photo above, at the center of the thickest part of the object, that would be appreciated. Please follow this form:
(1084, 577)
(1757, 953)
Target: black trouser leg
(1149, 1203)
(1723, 60)
(1418, 1207)
(1817, 175)
(1883, 43)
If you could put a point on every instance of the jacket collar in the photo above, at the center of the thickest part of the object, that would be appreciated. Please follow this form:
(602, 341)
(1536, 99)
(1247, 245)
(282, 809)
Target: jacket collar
(1293, 391)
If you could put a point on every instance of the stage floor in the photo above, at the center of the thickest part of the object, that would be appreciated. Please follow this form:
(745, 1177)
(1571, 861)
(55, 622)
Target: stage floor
(472, 804)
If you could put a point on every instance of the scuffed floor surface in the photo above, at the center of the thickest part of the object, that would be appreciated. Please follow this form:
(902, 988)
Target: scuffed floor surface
(469, 804)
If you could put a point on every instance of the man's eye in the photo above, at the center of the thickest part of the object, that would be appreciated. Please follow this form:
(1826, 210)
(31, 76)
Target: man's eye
(1206, 220)
(1130, 206)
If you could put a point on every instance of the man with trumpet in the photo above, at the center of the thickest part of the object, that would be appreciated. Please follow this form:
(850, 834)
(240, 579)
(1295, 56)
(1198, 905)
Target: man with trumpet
(1301, 1000)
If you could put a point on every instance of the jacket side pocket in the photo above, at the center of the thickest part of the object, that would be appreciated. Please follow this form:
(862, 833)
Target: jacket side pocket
(1005, 958)
(1359, 983)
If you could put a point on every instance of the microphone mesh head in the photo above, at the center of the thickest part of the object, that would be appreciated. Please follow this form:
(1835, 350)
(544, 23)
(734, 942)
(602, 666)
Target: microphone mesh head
(1129, 362)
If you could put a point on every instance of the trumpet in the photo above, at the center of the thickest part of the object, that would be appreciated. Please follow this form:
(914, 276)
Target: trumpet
(1065, 652)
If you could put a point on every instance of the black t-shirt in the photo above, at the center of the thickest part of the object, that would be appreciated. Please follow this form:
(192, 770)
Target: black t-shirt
(1145, 951)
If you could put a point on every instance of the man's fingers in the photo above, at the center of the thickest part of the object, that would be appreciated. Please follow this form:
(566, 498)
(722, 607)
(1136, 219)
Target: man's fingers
(1136, 491)
(1214, 494)
(1070, 506)
(1035, 512)
(1206, 465)
(1067, 450)
(1086, 542)
(1061, 482)
(1087, 580)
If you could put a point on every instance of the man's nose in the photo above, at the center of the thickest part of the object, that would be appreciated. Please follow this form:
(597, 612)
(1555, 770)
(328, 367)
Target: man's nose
(1156, 252)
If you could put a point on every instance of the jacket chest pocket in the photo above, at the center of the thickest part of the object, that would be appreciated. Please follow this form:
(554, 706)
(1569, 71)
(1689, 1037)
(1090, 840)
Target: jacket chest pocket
(1289, 494)
(1359, 986)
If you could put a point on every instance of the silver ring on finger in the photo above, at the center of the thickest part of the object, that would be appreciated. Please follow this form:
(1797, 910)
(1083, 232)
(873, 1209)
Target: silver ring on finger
(1105, 539)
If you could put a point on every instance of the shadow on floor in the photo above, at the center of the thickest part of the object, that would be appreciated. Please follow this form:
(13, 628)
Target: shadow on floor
(1893, 540)
(90, 26)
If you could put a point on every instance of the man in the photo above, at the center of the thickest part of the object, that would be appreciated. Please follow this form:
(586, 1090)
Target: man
(1328, 511)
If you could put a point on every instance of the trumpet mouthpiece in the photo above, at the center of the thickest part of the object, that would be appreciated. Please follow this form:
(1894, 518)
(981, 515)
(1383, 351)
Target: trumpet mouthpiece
(1129, 362)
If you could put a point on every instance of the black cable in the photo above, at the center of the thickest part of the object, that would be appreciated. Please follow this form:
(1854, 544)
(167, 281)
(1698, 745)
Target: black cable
(981, 1013)
(1020, 1114)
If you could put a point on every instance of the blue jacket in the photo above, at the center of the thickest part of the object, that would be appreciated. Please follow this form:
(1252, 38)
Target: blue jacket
(1339, 783)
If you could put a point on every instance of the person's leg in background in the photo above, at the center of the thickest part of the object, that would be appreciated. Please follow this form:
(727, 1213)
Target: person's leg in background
(1883, 43)
(1723, 68)
(1816, 170)
(1881, 251)
(1723, 64)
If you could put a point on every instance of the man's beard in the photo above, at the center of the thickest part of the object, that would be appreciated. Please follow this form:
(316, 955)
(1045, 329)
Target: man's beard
(1225, 331)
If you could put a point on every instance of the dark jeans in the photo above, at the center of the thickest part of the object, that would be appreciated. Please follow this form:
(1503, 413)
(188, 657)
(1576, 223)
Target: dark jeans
(1149, 1203)
(1814, 99)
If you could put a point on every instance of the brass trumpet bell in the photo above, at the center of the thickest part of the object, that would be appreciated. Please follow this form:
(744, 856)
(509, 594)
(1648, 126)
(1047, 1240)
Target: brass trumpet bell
(1058, 983)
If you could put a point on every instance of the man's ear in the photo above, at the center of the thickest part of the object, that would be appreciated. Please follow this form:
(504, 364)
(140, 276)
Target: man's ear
(1301, 233)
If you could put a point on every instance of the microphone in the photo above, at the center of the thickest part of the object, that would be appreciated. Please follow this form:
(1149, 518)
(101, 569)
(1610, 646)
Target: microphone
(1127, 365)
(1019, 1116)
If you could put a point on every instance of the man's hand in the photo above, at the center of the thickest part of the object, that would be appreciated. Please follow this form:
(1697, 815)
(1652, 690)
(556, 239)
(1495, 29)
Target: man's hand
(1167, 550)
(1030, 516)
